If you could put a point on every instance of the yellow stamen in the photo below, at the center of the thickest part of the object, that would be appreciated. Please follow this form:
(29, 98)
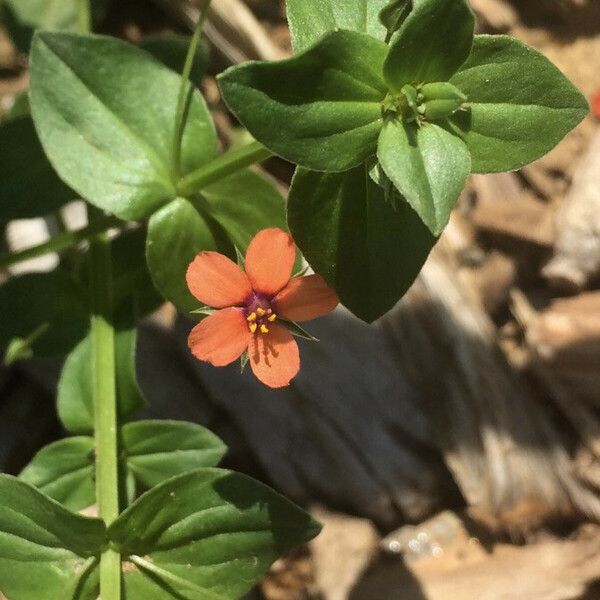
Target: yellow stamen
(272, 317)
(253, 327)
(251, 317)
(261, 312)
(264, 329)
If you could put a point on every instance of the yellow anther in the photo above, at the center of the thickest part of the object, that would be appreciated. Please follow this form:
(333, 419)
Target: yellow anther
(251, 317)
(264, 329)
(261, 312)
(272, 317)
(253, 327)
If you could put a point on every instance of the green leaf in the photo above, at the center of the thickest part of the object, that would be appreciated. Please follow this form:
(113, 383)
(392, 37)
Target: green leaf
(243, 204)
(521, 105)
(309, 21)
(45, 550)
(428, 165)
(152, 451)
(171, 51)
(64, 471)
(366, 250)
(53, 14)
(24, 16)
(30, 186)
(227, 214)
(49, 302)
(104, 111)
(75, 399)
(206, 534)
(434, 41)
(159, 450)
(129, 394)
(75, 402)
(176, 233)
(393, 14)
(321, 109)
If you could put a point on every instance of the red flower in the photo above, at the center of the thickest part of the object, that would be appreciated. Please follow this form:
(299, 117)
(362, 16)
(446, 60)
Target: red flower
(251, 303)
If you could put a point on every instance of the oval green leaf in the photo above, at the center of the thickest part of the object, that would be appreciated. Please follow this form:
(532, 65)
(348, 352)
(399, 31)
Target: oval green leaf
(310, 21)
(207, 534)
(367, 250)
(159, 450)
(176, 233)
(321, 109)
(75, 399)
(428, 165)
(520, 104)
(45, 550)
(64, 471)
(104, 111)
(433, 42)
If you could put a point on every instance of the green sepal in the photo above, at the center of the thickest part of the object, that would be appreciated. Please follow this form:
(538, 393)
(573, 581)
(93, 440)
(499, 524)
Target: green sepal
(244, 358)
(298, 331)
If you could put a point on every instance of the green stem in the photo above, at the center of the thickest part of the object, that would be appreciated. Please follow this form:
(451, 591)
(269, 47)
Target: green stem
(105, 406)
(222, 166)
(185, 91)
(59, 242)
(84, 16)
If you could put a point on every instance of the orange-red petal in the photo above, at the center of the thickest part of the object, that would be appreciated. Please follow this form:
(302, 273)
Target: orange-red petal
(274, 357)
(221, 337)
(270, 259)
(217, 281)
(305, 298)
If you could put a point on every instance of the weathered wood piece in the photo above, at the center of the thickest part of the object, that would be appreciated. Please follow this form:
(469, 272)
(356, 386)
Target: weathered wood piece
(576, 258)
(502, 447)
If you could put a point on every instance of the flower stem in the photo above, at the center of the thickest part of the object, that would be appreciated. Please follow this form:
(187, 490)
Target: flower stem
(105, 406)
(222, 166)
(185, 91)
(59, 242)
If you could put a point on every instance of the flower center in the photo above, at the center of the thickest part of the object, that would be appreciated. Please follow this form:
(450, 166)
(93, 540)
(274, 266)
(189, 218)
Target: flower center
(259, 314)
